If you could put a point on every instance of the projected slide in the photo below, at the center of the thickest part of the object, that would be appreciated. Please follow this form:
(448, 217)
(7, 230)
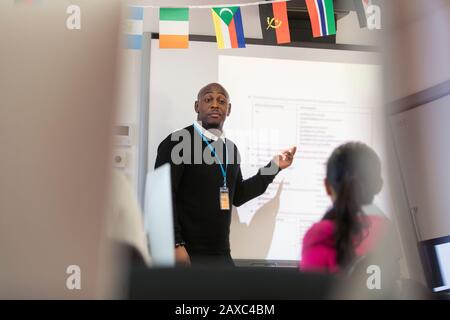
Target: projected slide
(277, 104)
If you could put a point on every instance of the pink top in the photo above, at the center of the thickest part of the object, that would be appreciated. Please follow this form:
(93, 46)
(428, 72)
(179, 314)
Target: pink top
(319, 252)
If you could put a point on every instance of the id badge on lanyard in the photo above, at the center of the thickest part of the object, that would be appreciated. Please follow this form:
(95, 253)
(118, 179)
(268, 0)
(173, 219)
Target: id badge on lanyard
(224, 199)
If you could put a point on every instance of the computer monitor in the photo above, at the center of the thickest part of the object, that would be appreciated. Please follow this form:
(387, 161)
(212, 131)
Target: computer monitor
(436, 257)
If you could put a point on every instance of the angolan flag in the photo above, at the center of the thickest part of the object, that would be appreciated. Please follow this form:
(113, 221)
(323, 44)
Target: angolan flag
(321, 14)
(228, 26)
(274, 23)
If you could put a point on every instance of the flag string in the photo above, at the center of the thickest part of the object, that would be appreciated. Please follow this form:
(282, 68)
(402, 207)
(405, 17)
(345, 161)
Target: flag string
(209, 5)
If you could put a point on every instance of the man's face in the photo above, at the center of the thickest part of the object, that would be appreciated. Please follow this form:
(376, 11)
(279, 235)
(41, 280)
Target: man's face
(212, 106)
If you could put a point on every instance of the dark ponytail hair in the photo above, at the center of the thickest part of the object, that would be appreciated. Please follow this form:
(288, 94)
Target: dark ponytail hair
(354, 173)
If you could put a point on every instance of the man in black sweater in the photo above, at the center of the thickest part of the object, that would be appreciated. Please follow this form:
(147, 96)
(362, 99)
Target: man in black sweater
(207, 180)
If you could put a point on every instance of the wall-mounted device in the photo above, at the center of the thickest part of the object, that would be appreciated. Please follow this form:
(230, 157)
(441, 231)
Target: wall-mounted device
(123, 135)
(120, 159)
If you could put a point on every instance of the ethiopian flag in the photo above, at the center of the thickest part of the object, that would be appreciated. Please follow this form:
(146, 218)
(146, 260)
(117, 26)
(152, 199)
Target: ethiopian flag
(321, 14)
(228, 26)
(174, 28)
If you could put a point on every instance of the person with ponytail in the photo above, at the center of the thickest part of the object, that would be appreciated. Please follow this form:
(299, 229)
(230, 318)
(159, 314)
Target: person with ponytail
(352, 226)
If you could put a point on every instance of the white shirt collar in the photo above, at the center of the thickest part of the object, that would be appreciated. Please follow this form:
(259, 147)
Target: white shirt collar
(209, 134)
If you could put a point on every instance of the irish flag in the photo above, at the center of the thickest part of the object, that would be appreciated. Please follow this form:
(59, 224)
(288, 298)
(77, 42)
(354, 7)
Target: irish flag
(174, 28)
(321, 14)
(228, 26)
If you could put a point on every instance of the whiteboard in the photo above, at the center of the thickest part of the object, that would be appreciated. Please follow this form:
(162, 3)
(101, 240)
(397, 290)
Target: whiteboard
(259, 230)
(423, 151)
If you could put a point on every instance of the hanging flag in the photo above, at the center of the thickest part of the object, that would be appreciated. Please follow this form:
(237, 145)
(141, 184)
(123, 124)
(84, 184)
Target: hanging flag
(321, 14)
(174, 28)
(228, 26)
(274, 23)
(134, 28)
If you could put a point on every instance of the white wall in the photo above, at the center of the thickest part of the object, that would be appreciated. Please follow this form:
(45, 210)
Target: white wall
(349, 32)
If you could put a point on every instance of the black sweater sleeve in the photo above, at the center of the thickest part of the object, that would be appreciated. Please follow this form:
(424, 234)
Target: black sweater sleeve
(254, 186)
(163, 157)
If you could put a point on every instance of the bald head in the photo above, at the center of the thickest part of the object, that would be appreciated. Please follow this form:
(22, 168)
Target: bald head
(212, 87)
